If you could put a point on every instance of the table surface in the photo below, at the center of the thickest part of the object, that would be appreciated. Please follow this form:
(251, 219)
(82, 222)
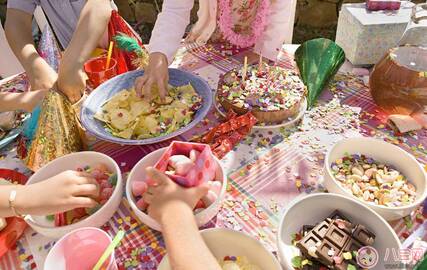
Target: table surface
(266, 171)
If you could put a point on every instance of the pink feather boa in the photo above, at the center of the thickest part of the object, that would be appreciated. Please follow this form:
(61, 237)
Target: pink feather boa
(258, 25)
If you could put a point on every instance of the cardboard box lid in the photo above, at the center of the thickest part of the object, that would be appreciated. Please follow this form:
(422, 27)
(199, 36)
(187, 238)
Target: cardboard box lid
(366, 17)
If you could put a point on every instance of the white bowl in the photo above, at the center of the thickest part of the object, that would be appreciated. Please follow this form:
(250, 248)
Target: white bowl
(224, 242)
(138, 174)
(314, 208)
(388, 154)
(70, 162)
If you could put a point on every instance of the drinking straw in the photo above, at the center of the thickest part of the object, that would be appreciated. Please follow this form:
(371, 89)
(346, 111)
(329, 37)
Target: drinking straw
(245, 68)
(119, 236)
(110, 52)
(260, 63)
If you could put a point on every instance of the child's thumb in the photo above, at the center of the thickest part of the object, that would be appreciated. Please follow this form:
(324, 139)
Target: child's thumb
(201, 190)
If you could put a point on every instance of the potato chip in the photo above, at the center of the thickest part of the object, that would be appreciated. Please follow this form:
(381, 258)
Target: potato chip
(120, 118)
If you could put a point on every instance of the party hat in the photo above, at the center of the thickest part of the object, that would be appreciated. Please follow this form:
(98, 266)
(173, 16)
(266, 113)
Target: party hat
(57, 133)
(318, 61)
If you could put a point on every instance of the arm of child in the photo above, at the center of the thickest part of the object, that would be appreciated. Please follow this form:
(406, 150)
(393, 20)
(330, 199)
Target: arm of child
(26, 101)
(165, 41)
(60, 193)
(18, 27)
(279, 29)
(91, 26)
(172, 206)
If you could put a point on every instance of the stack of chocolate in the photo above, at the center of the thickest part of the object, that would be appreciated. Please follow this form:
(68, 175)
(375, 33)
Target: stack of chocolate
(333, 243)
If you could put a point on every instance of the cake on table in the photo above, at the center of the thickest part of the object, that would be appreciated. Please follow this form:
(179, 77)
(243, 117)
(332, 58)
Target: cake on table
(273, 94)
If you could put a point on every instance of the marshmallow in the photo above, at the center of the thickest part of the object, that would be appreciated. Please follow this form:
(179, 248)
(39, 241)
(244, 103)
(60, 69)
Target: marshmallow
(141, 204)
(181, 164)
(139, 188)
(215, 186)
(194, 155)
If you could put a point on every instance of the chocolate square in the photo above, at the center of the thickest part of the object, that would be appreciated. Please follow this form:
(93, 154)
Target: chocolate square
(363, 235)
(344, 225)
(337, 236)
(324, 252)
(306, 229)
(310, 240)
(352, 245)
(321, 229)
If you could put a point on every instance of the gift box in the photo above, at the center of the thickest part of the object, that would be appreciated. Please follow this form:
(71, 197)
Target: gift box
(204, 169)
(366, 36)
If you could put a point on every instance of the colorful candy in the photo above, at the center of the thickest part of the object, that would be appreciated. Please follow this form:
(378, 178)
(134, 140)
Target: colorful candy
(372, 181)
(107, 181)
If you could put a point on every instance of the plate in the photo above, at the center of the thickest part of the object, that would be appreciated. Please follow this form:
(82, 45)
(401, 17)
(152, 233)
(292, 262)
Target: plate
(14, 132)
(285, 124)
(125, 81)
(15, 226)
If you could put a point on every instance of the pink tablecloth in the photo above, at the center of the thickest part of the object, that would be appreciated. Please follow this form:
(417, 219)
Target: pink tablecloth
(266, 171)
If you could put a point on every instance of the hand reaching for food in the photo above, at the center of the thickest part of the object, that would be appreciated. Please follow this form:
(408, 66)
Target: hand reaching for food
(166, 193)
(155, 75)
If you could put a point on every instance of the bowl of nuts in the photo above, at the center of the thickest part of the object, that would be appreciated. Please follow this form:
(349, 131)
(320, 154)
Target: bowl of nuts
(382, 176)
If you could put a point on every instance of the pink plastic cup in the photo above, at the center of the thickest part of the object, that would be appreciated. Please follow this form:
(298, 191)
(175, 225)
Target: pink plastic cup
(80, 250)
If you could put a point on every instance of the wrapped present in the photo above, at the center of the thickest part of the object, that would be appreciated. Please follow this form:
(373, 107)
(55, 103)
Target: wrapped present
(199, 168)
(366, 36)
(225, 136)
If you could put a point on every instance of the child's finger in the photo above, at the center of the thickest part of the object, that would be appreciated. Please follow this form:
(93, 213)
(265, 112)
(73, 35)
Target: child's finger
(139, 83)
(84, 202)
(90, 190)
(157, 176)
(148, 197)
(84, 180)
(200, 191)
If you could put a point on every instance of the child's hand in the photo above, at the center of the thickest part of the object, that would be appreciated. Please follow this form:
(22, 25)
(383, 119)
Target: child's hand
(155, 74)
(167, 194)
(60, 193)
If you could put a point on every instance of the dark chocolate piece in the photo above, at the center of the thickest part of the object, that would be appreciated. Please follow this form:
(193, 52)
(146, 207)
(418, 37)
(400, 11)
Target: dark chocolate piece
(325, 243)
(308, 243)
(337, 215)
(364, 236)
(326, 252)
(321, 229)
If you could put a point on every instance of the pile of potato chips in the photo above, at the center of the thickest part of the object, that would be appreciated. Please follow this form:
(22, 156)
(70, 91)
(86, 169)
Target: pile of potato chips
(130, 117)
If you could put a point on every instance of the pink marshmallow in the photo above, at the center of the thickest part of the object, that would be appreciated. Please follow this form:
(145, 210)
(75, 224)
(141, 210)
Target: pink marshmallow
(139, 188)
(215, 186)
(194, 155)
(209, 198)
(141, 204)
(181, 164)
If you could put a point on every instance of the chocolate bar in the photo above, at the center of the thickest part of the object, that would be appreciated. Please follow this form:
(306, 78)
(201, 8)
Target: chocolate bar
(333, 241)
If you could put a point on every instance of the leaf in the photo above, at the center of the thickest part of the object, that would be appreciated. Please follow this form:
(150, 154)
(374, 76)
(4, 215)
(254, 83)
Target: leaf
(113, 179)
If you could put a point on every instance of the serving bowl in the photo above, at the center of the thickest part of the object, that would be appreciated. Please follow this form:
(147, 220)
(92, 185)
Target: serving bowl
(138, 174)
(71, 162)
(225, 242)
(108, 89)
(314, 208)
(388, 154)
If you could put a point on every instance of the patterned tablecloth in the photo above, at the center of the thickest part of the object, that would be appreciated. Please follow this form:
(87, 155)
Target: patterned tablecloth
(266, 171)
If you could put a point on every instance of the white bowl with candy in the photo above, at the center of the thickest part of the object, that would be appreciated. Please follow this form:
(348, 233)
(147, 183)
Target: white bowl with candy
(186, 166)
(332, 231)
(107, 173)
(382, 176)
(234, 250)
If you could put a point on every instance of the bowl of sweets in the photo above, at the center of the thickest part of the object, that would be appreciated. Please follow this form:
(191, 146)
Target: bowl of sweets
(234, 251)
(188, 164)
(104, 170)
(382, 176)
(332, 231)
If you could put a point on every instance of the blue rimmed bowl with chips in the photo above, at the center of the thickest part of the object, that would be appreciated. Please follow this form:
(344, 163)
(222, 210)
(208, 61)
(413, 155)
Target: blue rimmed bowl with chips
(94, 104)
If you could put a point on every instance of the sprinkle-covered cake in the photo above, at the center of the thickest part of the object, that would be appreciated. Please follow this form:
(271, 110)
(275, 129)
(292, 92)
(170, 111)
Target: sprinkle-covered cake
(273, 94)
